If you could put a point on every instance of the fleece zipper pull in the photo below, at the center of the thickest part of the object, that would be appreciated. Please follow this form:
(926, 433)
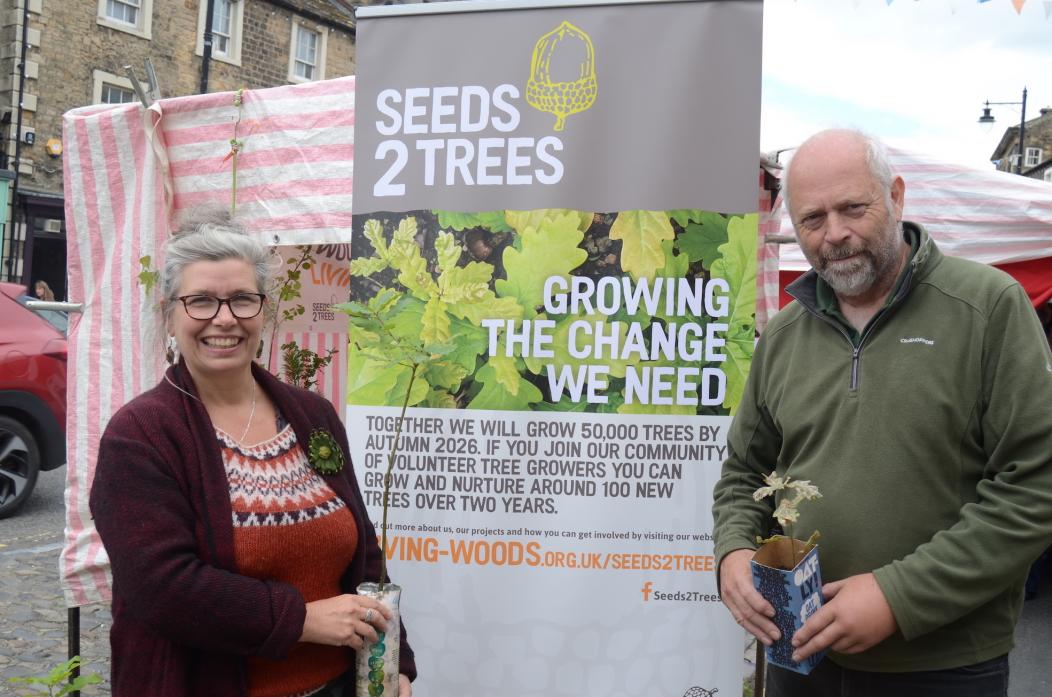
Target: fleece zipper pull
(854, 366)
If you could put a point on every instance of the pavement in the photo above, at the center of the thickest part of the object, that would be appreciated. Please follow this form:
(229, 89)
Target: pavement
(33, 615)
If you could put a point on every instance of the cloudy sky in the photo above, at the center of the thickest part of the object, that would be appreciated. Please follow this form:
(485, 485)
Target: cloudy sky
(915, 73)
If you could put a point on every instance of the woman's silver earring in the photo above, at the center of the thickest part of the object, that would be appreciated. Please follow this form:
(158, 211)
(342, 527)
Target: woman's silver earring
(169, 350)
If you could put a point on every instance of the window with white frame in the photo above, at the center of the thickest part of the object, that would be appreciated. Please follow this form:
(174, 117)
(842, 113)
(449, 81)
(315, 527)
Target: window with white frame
(1033, 157)
(114, 94)
(307, 55)
(111, 89)
(132, 16)
(221, 28)
(126, 11)
(227, 22)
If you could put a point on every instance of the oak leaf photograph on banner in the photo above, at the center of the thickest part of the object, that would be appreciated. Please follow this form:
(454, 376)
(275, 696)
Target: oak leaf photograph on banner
(632, 312)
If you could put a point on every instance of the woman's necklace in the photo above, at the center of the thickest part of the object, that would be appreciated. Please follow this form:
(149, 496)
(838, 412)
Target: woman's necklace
(251, 413)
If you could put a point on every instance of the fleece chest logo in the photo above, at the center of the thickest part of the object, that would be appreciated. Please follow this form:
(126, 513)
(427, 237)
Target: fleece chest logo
(917, 340)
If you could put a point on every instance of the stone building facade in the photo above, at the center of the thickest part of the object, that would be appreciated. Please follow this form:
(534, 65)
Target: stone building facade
(1037, 148)
(75, 55)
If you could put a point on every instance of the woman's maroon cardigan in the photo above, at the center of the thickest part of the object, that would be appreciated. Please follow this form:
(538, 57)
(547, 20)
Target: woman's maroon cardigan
(183, 618)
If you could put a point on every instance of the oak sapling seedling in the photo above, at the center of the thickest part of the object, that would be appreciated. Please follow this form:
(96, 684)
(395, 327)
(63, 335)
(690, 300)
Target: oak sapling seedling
(788, 511)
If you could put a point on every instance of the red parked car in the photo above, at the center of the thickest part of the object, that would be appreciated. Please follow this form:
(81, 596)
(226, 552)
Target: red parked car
(32, 395)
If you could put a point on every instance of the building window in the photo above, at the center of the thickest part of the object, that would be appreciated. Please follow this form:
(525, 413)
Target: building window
(132, 16)
(221, 28)
(305, 60)
(227, 23)
(113, 94)
(1033, 157)
(111, 89)
(307, 57)
(126, 11)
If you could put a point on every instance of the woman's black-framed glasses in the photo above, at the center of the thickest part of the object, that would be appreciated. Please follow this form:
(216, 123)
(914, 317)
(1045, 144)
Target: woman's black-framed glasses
(242, 305)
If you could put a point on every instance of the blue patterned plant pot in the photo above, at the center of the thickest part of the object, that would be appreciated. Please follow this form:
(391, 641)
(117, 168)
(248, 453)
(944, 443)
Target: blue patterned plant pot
(376, 673)
(794, 591)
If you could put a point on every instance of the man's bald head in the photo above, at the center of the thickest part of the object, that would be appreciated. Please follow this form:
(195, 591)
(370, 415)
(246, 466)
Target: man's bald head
(841, 141)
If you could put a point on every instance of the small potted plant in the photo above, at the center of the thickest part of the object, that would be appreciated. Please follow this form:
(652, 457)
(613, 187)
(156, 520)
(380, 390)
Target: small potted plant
(786, 572)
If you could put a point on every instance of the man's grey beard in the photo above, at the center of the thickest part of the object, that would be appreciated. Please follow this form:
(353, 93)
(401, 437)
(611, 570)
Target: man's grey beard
(870, 265)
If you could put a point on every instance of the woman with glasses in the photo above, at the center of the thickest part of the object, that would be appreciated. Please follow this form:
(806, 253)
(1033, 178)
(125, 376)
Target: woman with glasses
(235, 555)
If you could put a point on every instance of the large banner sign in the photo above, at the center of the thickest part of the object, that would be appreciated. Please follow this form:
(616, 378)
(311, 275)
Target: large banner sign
(556, 239)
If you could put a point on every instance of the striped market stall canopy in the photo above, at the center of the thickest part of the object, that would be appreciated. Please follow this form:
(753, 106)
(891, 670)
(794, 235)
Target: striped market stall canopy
(130, 173)
(984, 215)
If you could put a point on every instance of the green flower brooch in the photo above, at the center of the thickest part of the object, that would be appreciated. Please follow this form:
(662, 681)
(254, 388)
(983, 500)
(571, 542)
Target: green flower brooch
(323, 453)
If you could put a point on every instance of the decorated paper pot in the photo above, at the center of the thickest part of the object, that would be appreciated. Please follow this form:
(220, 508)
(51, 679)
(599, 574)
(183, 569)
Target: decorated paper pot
(376, 673)
(794, 591)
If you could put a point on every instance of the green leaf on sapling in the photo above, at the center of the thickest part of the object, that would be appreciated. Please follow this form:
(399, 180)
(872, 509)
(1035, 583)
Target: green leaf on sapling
(439, 399)
(369, 382)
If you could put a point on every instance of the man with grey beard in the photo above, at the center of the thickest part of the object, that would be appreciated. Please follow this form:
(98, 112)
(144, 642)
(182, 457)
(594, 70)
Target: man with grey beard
(912, 389)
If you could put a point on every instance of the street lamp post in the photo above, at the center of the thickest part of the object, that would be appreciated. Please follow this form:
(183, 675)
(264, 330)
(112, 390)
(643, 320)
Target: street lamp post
(987, 118)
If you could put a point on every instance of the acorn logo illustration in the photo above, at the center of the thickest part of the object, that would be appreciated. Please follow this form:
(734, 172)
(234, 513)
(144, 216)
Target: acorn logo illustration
(562, 73)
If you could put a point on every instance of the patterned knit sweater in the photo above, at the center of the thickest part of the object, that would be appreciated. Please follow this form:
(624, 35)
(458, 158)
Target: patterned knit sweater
(184, 619)
(289, 526)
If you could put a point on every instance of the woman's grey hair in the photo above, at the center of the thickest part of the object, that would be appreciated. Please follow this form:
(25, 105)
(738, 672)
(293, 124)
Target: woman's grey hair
(212, 235)
(877, 159)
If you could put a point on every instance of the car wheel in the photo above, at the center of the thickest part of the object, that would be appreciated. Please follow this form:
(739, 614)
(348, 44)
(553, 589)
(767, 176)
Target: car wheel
(19, 465)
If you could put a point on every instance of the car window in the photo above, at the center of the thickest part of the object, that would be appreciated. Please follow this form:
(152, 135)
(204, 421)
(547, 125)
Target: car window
(58, 320)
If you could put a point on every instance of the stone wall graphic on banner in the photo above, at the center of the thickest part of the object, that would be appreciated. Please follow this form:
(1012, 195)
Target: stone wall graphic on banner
(563, 198)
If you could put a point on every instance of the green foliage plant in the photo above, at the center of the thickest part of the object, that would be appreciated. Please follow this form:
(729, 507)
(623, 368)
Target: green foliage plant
(287, 291)
(405, 358)
(59, 681)
(148, 276)
(794, 492)
(301, 365)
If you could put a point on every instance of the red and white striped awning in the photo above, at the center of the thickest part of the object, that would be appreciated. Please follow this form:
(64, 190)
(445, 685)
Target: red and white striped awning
(984, 215)
(129, 173)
